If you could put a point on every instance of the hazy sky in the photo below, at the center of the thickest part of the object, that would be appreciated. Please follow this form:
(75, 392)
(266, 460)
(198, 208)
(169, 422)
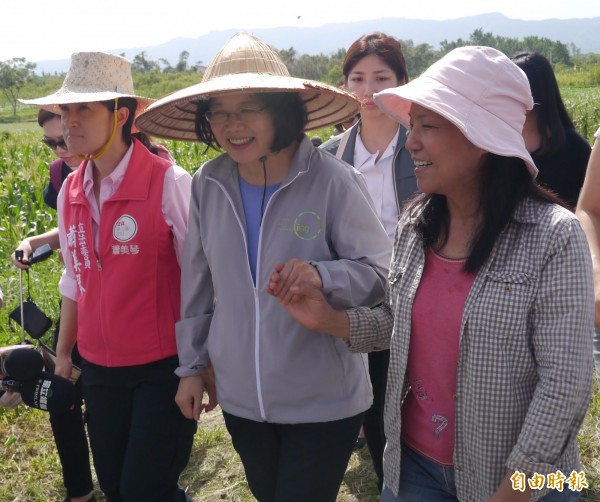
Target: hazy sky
(40, 30)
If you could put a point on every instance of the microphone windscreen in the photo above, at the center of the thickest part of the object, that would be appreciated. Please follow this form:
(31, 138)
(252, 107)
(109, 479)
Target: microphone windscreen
(22, 364)
(48, 392)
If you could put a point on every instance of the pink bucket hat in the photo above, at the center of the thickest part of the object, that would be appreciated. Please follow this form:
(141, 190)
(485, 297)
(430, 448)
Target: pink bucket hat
(479, 90)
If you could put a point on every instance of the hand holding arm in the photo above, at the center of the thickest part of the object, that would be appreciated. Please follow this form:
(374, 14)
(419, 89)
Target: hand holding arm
(306, 304)
(292, 273)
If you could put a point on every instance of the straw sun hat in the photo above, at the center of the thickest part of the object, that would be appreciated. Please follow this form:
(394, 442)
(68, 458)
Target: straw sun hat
(92, 77)
(244, 65)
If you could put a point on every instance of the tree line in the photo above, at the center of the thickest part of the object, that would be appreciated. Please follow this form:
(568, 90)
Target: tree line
(18, 73)
(328, 67)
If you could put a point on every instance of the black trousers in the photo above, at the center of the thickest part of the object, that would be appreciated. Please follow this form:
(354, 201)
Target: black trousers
(294, 463)
(71, 441)
(373, 425)
(140, 440)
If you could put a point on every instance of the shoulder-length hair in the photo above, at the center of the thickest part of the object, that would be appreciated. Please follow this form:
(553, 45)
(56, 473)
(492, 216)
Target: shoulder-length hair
(377, 44)
(505, 182)
(287, 110)
(552, 116)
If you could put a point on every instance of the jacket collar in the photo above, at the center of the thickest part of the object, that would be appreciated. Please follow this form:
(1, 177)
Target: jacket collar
(135, 183)
(527, 211)
(348, 154)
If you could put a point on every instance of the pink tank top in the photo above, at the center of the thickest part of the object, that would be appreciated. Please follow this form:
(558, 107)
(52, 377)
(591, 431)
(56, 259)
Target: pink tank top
(429, 410)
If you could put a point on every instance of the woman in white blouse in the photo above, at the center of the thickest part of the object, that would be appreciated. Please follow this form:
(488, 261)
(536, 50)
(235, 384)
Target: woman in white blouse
(375, 146)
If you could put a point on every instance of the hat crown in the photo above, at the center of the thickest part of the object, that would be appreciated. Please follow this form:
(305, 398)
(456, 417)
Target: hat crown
(92, 72)
(245, 65)
(489, 79)
(480, 90)
(244, 53)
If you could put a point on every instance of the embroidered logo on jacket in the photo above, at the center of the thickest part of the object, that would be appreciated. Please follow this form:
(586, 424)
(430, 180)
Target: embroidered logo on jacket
(125, 228)
(307, 225)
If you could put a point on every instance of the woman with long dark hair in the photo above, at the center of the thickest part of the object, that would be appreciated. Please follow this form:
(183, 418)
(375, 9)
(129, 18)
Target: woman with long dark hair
(560, 153)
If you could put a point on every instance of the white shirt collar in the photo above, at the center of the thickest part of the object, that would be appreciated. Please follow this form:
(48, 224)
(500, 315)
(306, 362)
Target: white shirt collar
(363, 156)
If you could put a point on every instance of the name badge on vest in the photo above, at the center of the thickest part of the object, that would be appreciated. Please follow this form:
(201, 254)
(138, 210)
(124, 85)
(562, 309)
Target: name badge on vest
(124, 231)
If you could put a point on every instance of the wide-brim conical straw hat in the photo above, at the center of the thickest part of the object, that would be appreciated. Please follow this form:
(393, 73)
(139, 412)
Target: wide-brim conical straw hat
(245, 65)
(92, 77)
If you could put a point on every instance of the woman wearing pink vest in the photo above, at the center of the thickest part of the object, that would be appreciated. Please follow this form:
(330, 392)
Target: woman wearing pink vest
(122, 222)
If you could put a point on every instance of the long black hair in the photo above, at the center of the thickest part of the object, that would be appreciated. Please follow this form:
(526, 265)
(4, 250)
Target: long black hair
(505, 182)
(552, 117)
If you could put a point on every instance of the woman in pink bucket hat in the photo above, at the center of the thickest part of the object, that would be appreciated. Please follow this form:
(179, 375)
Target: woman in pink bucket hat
(489, 313)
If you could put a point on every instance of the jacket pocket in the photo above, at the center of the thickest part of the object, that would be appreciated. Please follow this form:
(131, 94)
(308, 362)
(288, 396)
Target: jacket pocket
(506, 302)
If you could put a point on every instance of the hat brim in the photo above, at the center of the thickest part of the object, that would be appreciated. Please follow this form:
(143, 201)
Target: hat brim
(501, 139)
(173, 117)
(61, 97)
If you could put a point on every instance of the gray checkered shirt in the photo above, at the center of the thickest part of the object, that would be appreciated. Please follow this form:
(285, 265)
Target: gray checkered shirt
(525, 360)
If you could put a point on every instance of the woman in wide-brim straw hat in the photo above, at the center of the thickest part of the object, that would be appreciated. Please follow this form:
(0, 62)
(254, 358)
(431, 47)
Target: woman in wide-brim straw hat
(293, 399)
(489, 315)
(122, 222)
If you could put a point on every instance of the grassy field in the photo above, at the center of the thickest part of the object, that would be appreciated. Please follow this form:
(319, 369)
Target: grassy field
(29, 470)
(583, 104)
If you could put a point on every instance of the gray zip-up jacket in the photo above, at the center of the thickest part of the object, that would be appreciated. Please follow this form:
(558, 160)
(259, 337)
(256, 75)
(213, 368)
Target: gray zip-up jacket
(267, 366)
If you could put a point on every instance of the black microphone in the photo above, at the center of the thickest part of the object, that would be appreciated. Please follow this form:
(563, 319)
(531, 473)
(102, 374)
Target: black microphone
(22, 364)
(263, 160)
(47, 392)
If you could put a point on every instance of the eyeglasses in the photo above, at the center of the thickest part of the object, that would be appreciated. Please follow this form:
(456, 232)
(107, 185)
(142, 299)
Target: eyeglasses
(245, 115)
(53, 144)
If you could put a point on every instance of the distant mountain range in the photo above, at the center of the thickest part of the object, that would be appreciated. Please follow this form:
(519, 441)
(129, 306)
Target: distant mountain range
(582, 33)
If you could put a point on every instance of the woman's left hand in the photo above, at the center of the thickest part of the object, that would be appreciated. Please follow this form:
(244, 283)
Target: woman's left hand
(308, 306)
(294, 272)
(507, 493)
